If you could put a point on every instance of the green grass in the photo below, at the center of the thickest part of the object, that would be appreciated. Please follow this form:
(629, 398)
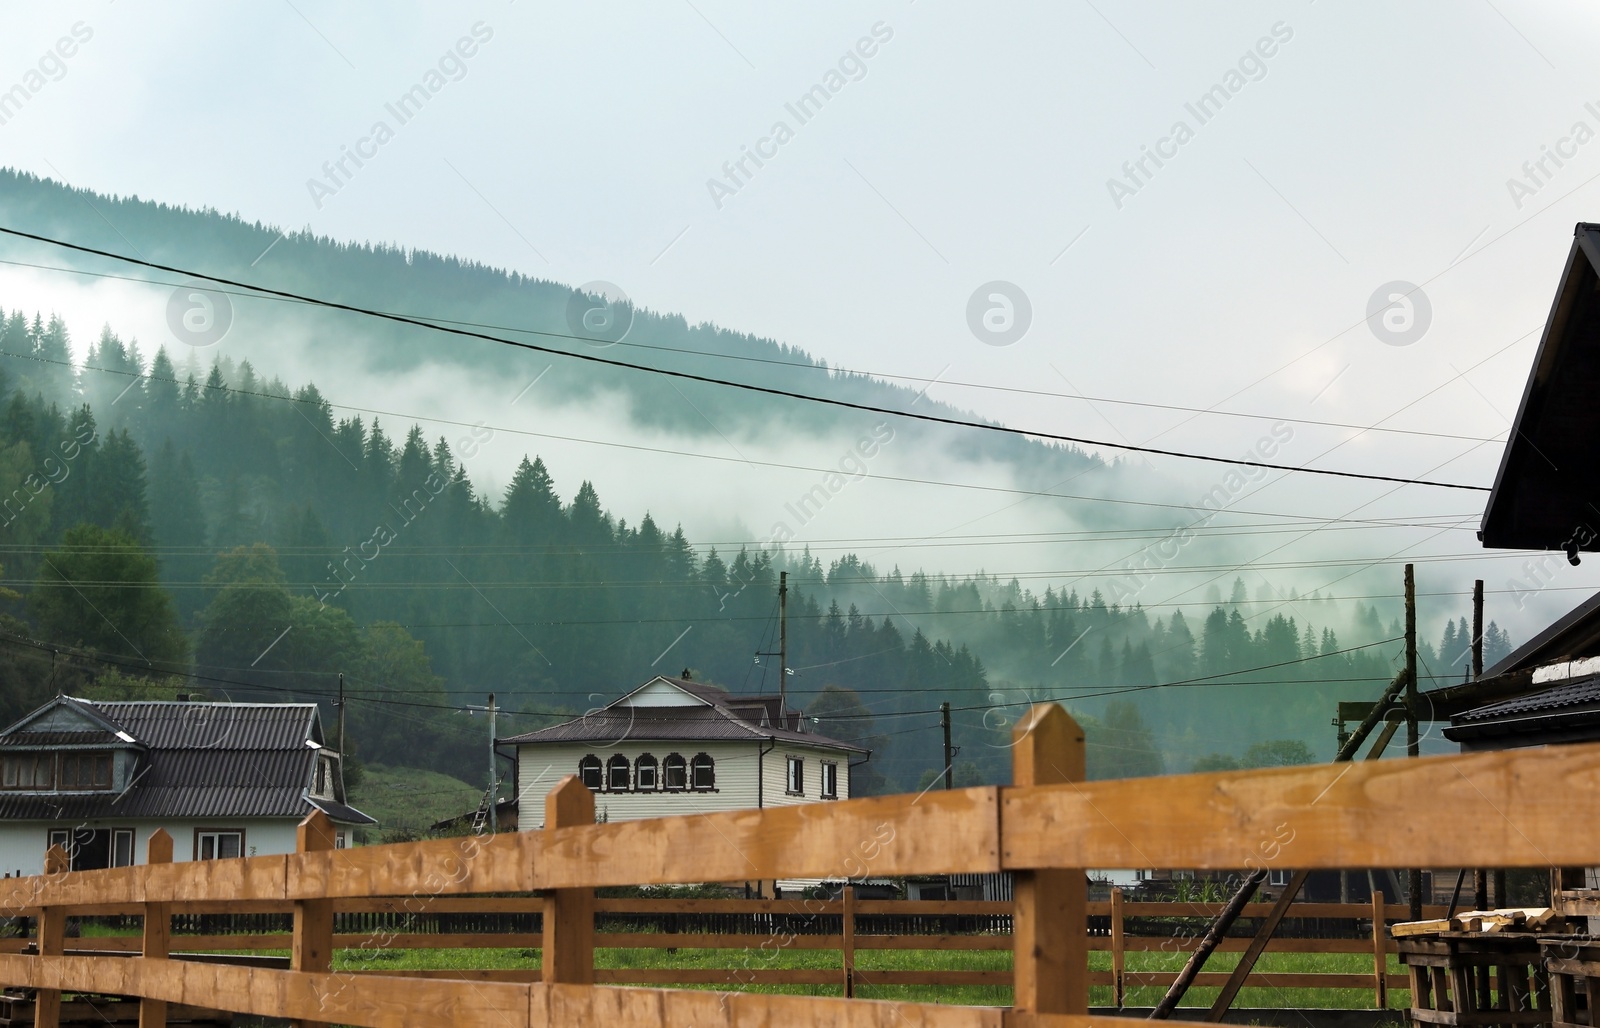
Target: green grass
(917, 960)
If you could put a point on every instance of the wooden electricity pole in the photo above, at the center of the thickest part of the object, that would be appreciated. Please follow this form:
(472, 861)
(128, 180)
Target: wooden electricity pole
(949, 758)
(1413, 702)
(783, 647)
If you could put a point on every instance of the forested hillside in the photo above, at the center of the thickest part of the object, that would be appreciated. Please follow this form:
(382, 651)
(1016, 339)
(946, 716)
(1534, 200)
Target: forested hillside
(205, 521)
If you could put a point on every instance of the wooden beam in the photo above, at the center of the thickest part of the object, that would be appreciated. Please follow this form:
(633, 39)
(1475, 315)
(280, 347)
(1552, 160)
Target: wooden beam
(1369, 814)
(847, 942)
(1049, 929)
(157, 936)
(1380, 955)
(312, 949)
(1258, 945)
(1119, 991)
(568, 954)
(52, 940)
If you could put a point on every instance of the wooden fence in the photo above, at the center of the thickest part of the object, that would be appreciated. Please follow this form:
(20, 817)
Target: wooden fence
(758, 927)
(1498, 809)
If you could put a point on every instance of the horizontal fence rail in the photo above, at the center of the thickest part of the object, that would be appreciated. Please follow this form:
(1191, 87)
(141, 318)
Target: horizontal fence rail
(1045, 830)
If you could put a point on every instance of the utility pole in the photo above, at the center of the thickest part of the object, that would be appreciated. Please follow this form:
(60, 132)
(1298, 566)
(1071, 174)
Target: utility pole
(1480, 877)
(494, 821)
(1413, 703)
(949, 758)
(783, 646)
(341, 719)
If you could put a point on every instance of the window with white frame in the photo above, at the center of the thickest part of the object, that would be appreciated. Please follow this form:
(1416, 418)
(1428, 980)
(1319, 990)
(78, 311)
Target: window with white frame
(702, 773)
(589, 772)
(644, 773)
(676, 772)
(122, 847)
(218, 845)
(830, 780)
(795, 779)
(618, 774)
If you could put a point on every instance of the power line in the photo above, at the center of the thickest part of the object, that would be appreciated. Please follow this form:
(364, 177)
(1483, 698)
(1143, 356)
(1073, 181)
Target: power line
(728, 383)
(722, 458)
(829, 369)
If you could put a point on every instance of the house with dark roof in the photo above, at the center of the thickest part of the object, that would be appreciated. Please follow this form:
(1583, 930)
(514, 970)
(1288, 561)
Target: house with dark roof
(1546, 496)
(224, 780)
(677, 746)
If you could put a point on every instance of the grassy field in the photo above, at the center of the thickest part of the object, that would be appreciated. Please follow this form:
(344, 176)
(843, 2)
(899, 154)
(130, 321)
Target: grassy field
(919, 960)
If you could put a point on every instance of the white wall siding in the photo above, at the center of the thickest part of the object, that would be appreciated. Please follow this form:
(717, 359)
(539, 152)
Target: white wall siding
(22, 844)
(742, 780)
(776, 778)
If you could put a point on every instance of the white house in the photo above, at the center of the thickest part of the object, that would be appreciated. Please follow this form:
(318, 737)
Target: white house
(224, 780)
(676, 746)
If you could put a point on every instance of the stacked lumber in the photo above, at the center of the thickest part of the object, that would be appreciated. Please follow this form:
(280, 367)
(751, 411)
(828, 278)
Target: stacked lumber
(1487, 922)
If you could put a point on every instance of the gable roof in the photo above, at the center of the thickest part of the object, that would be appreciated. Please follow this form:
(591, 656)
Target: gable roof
(683, 710)
(195, 759)
(1546, 495)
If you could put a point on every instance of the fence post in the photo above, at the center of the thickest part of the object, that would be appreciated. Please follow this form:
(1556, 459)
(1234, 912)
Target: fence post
(157, 930)
(1118, 991)
(1380, 958)
(52, 942)
(1050, 920)
(568, 945)
(313, 919)
(849, 941)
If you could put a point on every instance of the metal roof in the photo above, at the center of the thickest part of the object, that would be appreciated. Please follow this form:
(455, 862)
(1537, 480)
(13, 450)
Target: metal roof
(724, 717)
(1582, 692)
(196, 760)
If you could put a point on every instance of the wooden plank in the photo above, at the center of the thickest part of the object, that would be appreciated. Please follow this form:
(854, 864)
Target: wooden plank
(847, 942)
(618, 1007)
(1371, 814)
(52, 940)
(312, 948)
(350, 999)
(1380, 955)
(1050, 954)
(1118, 951)
(156, 936)
(939, 832)
(1257, 946)
(568, 913)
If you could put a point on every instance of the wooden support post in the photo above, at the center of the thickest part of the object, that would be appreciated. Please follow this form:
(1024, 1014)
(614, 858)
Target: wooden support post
(313, 919)
(52, 942)
(1119, 992)
(1050, 927)
(1380, 955)
(848, 944)
(157, 930)
(1258, 945)
(568, 954)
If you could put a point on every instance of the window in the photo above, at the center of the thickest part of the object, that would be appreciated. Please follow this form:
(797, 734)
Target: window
(1280, 877)
(60, 837)
(211, 845)
(589, 771)
(29, 771)
(676, 772)
(85, 770)
(830, 780)
(617, 774)
(122, 847)
(702, 773)
(644, 773)
(797, 776)
(326, 777)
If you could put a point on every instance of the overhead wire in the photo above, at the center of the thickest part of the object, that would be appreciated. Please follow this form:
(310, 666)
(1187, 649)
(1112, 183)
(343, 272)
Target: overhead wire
(728, 383)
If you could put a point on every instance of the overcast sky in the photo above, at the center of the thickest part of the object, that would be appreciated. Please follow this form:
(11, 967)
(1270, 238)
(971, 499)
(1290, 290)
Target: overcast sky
(1349, 146)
